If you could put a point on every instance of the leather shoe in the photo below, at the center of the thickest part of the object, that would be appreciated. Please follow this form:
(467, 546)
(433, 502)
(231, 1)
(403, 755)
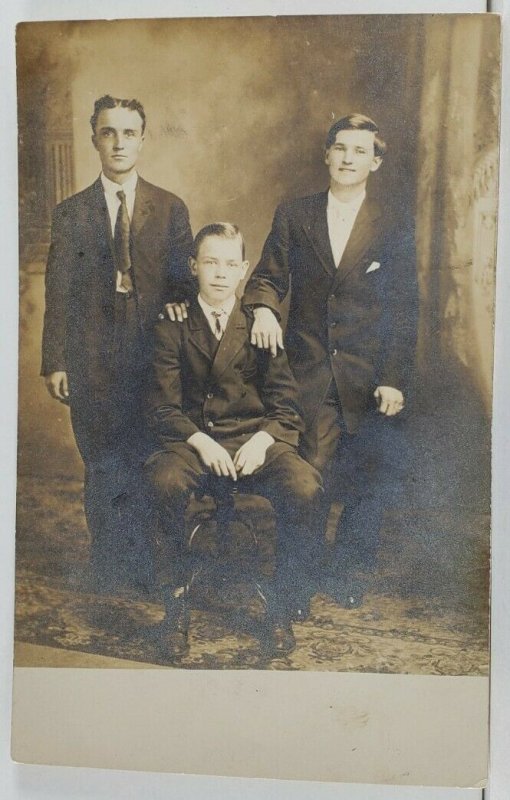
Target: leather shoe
(279, 639)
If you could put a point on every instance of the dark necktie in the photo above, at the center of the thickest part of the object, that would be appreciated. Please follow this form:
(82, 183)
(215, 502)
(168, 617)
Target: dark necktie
(121, 243)
(218, 330)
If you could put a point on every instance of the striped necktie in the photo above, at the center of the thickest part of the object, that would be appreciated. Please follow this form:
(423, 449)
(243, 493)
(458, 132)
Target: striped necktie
(218, 330)
(121, 243)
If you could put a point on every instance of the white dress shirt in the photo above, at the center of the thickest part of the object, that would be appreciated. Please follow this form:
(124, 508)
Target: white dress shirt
(341, 219)
(113, 203)
(212, 311)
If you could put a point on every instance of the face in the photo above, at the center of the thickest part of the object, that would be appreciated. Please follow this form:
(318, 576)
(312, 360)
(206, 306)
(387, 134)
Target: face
(219, 268)
(118, 140)
(351, 158)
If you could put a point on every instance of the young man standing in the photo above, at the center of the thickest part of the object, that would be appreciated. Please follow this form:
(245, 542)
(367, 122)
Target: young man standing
(118, 251)
(349, 265)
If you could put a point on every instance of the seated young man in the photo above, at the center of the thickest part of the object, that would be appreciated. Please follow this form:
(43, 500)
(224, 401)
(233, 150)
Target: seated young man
(219, 406)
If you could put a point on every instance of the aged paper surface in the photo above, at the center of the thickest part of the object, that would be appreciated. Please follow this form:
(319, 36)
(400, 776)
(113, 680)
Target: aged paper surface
(439, 593)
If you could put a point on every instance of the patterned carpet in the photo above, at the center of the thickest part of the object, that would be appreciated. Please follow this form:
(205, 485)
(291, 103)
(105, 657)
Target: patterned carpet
(426, 612)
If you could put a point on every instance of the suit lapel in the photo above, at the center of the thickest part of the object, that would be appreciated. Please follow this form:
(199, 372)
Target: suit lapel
(361, 238)
(98, 219)
(199, 332)
(143, 208)
(233, 339)
(317, 231)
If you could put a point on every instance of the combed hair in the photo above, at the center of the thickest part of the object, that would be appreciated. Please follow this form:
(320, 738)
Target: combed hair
(224, 229)
(357, 122)
(107, 101)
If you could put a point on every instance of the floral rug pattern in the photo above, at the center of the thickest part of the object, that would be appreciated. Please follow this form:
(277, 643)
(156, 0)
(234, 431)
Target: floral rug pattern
(426, 611)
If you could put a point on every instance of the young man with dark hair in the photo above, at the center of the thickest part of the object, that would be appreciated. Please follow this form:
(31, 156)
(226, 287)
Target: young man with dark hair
(118, 253)
(349, 265)
(221, 407)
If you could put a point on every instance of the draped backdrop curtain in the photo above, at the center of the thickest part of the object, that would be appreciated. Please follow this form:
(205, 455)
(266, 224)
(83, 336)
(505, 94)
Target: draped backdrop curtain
(456, 201)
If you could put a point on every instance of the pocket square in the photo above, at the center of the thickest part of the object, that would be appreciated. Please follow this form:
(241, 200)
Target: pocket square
(373, 266)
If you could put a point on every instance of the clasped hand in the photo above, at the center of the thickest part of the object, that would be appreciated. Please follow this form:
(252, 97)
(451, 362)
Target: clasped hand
(250, 456)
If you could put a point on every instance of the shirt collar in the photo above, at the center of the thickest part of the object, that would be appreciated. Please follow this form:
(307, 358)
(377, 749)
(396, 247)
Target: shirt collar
(352, 207)
(225, 307)
(110, 187)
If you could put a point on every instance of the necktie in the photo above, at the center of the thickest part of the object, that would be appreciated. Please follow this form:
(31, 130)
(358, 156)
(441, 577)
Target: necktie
(218, 330)
(121, 243)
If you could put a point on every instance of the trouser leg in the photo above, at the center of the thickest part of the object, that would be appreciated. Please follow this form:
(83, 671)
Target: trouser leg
(173, 476)
(119, 517)
(110, 433)
(294, 488)
(350, 466)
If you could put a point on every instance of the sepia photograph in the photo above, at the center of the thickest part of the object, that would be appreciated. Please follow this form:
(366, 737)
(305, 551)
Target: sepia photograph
(257, 274)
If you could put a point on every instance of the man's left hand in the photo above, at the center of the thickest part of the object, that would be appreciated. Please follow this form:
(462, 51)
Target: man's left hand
(252, 454)
(390, 401)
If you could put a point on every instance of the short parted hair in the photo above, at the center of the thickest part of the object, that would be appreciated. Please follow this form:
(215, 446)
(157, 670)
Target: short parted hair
(356, 122)
(224, 229)
(107, 101)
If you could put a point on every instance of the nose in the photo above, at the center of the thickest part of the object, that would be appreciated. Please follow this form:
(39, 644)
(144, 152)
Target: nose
(118, 143)
(220, 271)
(347, 157)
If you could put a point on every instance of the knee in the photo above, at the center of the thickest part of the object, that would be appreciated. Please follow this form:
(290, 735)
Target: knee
(303, 487)
(167, 482)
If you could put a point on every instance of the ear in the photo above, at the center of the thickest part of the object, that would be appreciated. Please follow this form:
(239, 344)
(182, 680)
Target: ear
(326, 155)
(192, 264)
(376, 163)
(93, 139)
(244, 268)
(142, 139)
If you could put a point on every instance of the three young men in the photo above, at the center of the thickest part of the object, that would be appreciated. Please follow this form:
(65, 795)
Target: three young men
(220, 404)
(118, 250)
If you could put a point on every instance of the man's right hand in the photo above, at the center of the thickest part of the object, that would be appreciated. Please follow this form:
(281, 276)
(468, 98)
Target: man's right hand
(214, 456)
(56, 384)
(266, 331)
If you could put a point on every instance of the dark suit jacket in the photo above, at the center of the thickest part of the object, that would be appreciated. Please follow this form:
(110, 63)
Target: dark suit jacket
(235, 392)
(81, 279)
(352, 325)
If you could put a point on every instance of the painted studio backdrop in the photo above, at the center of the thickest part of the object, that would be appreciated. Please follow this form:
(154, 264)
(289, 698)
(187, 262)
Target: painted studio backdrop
(237, 111)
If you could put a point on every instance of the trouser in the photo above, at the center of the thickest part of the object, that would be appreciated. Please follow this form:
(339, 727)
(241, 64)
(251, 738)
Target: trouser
(361, 471)
(109, 428)
(291, 485)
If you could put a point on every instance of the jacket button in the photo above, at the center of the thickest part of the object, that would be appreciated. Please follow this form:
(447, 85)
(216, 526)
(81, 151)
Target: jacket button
(332, 324)
(210, 395)
(332, 296)
(210, 424)
(333, 352)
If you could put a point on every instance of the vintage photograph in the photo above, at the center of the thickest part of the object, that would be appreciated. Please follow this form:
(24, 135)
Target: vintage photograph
(257, 268)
